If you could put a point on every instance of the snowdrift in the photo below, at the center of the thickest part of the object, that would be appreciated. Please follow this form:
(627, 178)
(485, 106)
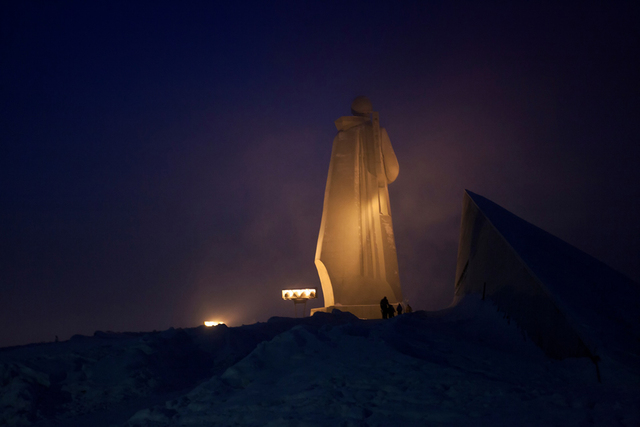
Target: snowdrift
(467, 365)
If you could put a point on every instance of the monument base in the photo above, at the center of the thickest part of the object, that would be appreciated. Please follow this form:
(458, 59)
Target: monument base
(361, 311)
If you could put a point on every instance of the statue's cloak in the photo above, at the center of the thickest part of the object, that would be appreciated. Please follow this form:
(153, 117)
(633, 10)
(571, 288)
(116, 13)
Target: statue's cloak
(356, 253)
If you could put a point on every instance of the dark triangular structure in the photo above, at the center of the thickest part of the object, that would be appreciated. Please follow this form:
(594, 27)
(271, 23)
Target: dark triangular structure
(568, 303)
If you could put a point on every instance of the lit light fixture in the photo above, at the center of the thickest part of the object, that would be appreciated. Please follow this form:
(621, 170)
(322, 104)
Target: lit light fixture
(212, 323)
(299, 296)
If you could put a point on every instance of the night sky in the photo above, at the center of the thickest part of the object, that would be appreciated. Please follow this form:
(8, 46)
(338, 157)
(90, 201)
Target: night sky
(164, 163)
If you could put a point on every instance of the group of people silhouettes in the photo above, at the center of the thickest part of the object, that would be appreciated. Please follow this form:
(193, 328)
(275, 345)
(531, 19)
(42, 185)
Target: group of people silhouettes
(388, 311)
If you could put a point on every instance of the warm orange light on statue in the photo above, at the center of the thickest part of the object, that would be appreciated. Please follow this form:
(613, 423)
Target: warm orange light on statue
(356, 252)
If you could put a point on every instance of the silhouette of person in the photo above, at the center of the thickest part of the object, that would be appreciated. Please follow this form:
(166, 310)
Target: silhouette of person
(391, 311)
(399, 308)
(384, 307)
(408, 310)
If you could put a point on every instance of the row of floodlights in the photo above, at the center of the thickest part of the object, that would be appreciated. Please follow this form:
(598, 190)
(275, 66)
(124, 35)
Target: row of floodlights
(297, 294)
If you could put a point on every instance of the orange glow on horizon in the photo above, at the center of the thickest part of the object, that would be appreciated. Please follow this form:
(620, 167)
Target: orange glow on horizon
(210, 323)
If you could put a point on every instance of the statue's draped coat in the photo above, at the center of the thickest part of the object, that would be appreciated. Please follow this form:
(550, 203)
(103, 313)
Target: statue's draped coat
(356, 253)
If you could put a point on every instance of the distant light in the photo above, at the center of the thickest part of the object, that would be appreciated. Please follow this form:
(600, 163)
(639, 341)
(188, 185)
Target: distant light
(212, 323)
(299, 294)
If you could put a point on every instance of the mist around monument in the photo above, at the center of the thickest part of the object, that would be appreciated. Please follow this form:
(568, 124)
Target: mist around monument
(164, 163)
(538, 333)
(489, 359)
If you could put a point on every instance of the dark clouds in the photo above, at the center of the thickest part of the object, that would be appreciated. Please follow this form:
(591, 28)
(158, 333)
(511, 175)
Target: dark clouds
(162, 163)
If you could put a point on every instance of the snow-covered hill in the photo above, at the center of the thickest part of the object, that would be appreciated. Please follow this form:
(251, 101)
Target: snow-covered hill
(467, 365)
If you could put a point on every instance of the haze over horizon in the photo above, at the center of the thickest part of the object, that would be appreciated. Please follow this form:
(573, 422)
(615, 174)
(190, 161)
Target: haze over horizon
(164, 164)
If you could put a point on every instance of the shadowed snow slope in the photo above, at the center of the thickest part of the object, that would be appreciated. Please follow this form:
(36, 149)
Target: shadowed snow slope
(569, 303)
(467, 365)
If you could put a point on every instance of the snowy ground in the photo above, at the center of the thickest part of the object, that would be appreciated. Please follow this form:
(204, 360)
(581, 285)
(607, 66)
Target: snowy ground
(466, 366)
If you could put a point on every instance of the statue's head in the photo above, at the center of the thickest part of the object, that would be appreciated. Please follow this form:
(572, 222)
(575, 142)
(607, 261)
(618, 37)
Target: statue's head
(361, 106)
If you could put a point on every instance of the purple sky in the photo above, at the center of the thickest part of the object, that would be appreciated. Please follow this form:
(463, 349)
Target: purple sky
(162, 164)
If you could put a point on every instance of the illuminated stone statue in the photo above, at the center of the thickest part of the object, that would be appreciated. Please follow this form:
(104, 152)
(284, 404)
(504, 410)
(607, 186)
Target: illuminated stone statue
(356, 253)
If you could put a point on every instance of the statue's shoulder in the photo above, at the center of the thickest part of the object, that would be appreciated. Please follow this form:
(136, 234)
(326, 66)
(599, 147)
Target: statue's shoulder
(348, 122)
